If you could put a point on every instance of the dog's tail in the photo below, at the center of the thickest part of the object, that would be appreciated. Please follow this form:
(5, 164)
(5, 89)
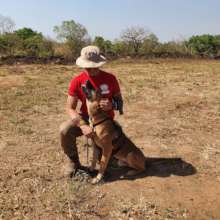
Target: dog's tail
(146, 165)
(149, 162)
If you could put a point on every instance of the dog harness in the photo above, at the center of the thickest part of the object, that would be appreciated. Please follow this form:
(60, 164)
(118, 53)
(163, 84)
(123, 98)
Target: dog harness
(118, 141)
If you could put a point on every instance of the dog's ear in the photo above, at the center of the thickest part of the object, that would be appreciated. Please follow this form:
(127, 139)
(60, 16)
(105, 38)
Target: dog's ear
(87, 89)
(84, 89)
(89, 85)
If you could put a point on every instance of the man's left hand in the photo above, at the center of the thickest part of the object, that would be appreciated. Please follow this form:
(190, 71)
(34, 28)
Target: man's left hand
(105, 104)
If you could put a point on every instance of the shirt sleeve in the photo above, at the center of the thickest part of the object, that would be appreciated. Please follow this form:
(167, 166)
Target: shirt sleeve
(116, 87)
(73, 87)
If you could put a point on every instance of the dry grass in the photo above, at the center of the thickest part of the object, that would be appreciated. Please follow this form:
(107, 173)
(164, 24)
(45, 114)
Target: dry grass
(172, 109)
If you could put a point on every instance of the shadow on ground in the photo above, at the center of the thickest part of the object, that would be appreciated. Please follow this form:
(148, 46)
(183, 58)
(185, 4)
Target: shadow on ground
(161, 167)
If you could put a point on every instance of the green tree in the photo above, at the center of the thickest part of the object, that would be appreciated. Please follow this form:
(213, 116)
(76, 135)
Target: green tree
(38, 46)
(100, 42)
(104, 45)
(134, 38)
(108, 46)
(73, 34)
(149, 45)
(218, 45)
(25, 33)
(9, 44)
(34, 43)
(204, 45)
(121, 49)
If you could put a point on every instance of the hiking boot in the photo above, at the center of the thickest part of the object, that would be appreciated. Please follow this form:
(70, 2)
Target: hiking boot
(70, 169)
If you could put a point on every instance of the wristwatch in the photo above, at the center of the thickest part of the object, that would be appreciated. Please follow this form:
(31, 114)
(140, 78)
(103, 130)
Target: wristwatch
(79, 121)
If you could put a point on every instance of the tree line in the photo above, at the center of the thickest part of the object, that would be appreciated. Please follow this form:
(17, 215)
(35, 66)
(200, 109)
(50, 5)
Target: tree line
(72, 36)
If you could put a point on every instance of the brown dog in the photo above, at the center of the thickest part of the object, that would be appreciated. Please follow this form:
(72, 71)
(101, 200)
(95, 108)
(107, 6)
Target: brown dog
(110, 138)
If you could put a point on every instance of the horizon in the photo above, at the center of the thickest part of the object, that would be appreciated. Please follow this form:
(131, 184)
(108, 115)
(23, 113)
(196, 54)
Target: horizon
(177, 20)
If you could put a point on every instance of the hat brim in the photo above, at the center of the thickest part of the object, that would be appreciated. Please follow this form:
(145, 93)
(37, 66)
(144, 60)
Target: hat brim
(84, 63)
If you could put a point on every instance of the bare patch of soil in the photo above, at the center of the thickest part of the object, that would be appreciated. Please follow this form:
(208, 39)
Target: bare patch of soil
(172, 112)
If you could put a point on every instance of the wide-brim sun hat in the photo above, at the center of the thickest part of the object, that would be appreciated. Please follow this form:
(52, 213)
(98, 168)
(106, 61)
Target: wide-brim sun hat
(90, 58)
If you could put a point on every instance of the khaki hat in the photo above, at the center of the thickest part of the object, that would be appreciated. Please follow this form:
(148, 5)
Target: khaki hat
(90, 58)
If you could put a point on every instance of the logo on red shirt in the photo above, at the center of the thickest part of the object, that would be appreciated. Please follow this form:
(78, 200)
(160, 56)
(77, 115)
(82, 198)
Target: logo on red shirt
(104, 89)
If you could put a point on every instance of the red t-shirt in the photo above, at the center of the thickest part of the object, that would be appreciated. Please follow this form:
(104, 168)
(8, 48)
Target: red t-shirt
(107, 82)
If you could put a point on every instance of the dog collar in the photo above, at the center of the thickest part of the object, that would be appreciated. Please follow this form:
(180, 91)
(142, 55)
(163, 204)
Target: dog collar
(100, 122)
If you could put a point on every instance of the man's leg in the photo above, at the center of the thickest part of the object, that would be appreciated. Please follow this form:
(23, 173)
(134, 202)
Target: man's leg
(68, 134)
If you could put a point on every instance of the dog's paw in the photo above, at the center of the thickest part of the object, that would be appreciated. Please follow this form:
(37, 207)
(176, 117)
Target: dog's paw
(97, 179)
(93, 172)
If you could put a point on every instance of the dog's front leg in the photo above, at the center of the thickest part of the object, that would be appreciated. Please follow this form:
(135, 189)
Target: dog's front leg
(95, 156)
(106, 154)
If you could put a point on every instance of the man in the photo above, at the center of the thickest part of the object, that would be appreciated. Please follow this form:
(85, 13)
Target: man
(90, 60)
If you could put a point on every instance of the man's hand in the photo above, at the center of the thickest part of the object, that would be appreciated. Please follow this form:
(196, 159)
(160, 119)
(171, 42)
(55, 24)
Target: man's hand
(86, 130)
(105, 104)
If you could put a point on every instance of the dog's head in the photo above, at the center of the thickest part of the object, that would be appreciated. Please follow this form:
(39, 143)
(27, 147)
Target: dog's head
(93, 96)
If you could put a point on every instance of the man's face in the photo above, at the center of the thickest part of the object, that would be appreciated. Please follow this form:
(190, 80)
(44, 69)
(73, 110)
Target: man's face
(92, 71)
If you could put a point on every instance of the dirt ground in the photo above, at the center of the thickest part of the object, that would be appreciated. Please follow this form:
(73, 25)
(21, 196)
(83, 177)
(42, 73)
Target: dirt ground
(172, 112)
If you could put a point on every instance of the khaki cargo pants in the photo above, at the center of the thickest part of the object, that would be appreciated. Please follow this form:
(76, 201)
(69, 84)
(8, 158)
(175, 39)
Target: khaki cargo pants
(68, 134)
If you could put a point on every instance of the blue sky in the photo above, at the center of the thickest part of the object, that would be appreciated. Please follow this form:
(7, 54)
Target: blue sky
(168, 19)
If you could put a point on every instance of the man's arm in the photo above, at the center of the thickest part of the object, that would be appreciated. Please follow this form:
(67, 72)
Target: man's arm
(118, 95)
(76, 118)
(117, 102)
(71, 105)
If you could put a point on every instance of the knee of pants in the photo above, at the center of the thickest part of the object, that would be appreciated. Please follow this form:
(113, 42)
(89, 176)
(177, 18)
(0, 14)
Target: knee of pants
(65, 128)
